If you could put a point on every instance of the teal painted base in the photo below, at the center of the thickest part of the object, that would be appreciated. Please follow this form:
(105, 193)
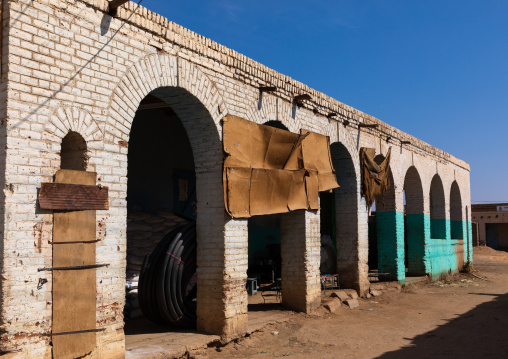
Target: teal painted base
(430, 248)
(469, 242)
(439, 228)
(457, 228)
(448, 254)
(415, 237)
(390, 244)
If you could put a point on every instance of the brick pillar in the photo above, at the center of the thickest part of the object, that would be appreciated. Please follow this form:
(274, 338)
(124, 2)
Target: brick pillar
(300, 251)
(470, 240)
(222, 274)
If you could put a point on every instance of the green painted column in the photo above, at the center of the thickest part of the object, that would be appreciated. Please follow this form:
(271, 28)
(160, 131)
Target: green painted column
(390, 244)
(415, 232)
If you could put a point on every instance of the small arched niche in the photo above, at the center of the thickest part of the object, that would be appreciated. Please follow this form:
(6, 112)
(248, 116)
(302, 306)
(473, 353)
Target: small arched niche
(73, 154)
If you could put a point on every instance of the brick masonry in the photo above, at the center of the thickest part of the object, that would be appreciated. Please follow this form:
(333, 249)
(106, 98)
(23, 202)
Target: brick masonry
(67, 66)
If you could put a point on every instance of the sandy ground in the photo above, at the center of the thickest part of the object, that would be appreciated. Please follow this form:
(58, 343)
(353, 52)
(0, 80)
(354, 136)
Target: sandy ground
(464, 317)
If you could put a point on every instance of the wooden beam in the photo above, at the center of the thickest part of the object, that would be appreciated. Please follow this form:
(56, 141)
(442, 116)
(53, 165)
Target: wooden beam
(114, 5)
(300, 98)
(267, 88)
(73, 197)
(364, 125)
(332, 114)
(405, 142)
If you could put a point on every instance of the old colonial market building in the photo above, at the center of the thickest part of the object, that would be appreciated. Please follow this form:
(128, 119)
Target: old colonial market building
(137, 102)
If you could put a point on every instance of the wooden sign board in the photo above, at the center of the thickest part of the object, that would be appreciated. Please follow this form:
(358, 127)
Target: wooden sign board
(73, 197)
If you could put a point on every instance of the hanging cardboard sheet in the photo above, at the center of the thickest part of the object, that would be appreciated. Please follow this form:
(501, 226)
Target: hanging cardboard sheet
(269, 170)
(74, 291)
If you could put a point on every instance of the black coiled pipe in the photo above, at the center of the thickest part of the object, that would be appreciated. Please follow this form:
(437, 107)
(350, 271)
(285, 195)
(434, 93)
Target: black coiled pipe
(167, 289)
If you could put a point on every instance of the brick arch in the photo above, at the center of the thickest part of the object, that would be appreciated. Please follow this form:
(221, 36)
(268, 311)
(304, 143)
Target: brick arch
(345, 138)
(413, 188)
(72, 119)
(264, 115)
(181, 77)
(199, 105)
(349, 211)
(437, 209)
(388, 203)
(347, 208)
(414, 224)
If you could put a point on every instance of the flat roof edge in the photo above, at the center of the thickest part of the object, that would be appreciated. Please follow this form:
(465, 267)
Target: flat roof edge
(150, 21)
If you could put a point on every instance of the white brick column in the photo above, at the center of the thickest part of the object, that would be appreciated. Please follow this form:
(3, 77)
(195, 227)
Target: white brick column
(222, 273)
(300, 252)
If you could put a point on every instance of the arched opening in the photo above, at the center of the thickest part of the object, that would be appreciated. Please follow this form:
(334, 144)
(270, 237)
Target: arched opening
(265, 260)
(73, 155)
(373, 253)
(161, 193)
(174, 177)
(389, 236)
(414, 224)
(456, 221)
(457, 225)
(346, 216)
(438, 227)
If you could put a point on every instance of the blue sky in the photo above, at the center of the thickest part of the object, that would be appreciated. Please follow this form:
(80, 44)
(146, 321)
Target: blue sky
(437, 70)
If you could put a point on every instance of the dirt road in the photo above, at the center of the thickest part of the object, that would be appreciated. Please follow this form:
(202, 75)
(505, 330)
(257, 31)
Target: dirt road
(463, 318)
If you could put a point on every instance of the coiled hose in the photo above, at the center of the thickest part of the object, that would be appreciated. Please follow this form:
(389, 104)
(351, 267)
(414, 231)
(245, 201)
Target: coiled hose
(167, 285)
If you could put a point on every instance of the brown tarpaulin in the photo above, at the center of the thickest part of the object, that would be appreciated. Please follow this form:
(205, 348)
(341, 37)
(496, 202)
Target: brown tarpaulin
(375, 177)
(269, 170)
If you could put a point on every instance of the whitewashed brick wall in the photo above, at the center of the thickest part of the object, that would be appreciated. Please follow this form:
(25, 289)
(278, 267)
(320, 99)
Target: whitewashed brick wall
(67, 66)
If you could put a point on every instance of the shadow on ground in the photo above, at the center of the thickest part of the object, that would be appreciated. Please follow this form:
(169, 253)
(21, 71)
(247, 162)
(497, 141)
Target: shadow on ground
(479, 333)
(265, 307)
(144, 326)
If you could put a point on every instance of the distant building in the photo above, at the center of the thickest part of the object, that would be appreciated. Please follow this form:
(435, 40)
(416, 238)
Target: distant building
(492, 225)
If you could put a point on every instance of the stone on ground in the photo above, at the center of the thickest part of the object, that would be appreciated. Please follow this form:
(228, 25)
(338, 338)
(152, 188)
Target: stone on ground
(333, 305)
(352, 303)
(342, 295)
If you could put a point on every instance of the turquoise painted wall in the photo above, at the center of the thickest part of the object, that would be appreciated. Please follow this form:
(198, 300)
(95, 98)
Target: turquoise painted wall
(446, 254)
(426, 254)
(458, 228)
(415, 236)
(390, 244)
(469, 252)
(438, 228)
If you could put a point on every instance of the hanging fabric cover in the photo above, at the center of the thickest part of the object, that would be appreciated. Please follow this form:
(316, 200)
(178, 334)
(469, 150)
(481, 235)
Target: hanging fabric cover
(375, 177)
